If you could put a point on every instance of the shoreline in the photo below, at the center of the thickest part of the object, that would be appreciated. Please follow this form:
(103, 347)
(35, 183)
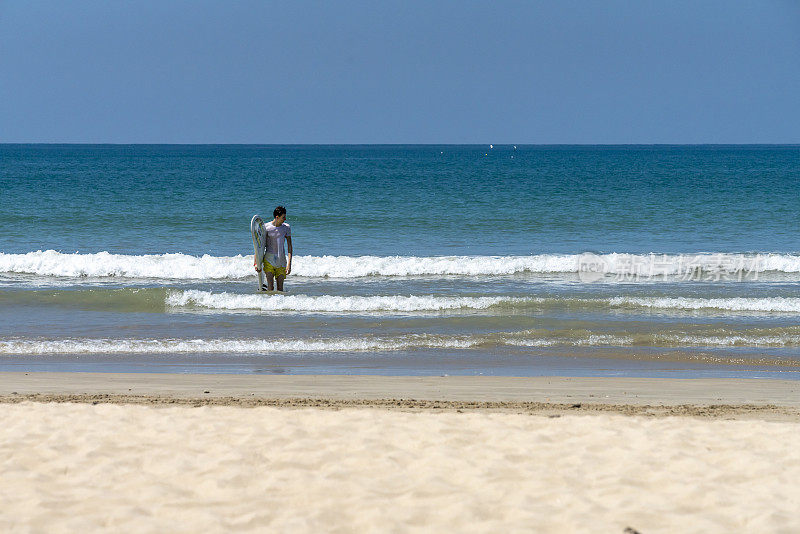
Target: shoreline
(715, 398)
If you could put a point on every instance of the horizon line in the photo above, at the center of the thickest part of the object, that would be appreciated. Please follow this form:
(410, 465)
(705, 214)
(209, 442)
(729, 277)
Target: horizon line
(4, 143)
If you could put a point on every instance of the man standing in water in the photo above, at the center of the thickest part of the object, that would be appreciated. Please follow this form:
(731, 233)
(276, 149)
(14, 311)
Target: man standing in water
(277, 263)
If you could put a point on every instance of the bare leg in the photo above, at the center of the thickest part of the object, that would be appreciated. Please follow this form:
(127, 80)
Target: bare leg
(270, 283)
(280, 282)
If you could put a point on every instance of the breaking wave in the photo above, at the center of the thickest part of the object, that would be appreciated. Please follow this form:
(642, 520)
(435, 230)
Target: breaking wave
(234, 346)
(179, 266)
(330, 303)
(530, 339)
(735, 304)
(432, 303)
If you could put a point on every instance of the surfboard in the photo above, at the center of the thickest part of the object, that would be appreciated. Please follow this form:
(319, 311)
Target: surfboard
(259, 234)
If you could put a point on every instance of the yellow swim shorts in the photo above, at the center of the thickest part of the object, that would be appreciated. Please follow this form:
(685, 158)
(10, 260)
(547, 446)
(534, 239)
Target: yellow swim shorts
(277, 271)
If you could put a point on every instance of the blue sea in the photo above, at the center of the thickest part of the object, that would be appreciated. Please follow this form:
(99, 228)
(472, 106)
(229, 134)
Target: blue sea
(679, 261)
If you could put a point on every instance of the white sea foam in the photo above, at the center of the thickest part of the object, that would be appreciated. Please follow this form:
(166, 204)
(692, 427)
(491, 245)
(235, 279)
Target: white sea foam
(233, 346)
(328, 303)
(38, 346)
(183, 266)
(431, 303)
(709, 264)
(104, 264)
(738, 304)
(639, 265)
(591, 340)
(366, 266)
(732, 340)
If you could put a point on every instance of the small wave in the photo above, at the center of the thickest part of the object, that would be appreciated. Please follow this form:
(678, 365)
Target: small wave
(179, 266)
(411, 341)
(592, 340)
(233, 346)
(730, 340)
(329, 303)
(736, 304)
(159, 299)
(431, 303)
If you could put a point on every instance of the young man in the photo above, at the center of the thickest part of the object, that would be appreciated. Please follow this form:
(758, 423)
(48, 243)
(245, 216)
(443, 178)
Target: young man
(277, 263)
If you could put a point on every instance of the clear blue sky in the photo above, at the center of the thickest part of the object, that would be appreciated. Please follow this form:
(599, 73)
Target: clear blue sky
(431, 71)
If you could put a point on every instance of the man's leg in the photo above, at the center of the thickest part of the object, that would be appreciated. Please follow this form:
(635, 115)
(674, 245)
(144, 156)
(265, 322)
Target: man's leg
(270, 278)
(280, 282)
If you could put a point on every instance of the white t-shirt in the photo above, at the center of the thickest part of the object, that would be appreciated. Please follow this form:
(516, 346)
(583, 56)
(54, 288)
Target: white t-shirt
(276, 237)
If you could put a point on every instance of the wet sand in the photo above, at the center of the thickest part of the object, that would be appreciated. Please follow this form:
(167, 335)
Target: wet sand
(632, 396)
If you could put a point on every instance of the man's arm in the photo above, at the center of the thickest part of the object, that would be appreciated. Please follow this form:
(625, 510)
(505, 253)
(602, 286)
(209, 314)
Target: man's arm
(288, 254)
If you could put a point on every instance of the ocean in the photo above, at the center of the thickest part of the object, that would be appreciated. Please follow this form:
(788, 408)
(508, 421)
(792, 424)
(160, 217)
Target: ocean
(676, 261)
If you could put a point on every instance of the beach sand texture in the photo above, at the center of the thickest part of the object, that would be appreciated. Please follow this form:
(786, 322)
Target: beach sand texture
(69, 467)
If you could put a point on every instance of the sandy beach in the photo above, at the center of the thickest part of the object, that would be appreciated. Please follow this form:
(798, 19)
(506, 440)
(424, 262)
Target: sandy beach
(182, 453)
(399, 267)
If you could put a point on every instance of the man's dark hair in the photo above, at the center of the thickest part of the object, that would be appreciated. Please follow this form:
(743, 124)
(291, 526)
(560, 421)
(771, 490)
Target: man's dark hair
(280, 210)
